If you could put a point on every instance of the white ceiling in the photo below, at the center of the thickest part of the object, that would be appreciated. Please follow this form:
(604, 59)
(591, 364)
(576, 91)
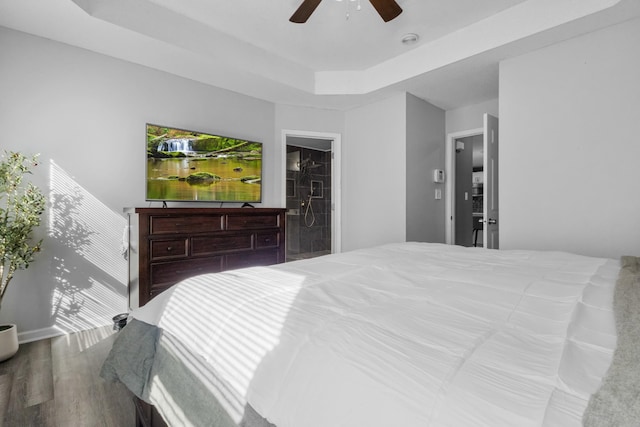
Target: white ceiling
(328, 40)
(250, 47)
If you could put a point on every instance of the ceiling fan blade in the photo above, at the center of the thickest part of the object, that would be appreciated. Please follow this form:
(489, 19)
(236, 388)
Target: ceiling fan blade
(388, 9)
(305, 10)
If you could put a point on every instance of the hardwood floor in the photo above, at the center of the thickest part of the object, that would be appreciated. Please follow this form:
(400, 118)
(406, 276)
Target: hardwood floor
(55, 382)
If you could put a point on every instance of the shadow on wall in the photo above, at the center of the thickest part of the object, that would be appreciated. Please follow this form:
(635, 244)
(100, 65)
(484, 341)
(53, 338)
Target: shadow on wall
(71, 236)
(87, 265)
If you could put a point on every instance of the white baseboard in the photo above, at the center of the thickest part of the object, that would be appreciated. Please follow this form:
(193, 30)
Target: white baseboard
(45, 333)
(39, 334)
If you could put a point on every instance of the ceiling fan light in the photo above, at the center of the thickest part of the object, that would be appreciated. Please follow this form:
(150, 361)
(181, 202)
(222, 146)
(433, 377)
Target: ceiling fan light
(409, 38)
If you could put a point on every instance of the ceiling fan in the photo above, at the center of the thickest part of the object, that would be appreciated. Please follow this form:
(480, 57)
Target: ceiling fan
(388, 10)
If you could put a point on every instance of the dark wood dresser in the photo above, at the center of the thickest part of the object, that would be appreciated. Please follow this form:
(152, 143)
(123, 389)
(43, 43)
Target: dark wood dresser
(167, 245)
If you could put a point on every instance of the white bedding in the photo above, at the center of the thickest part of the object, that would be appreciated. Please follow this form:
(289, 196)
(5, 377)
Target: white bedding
(409, 334)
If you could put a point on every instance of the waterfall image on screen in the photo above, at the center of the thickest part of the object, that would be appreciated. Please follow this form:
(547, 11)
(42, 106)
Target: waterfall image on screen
(184, 165)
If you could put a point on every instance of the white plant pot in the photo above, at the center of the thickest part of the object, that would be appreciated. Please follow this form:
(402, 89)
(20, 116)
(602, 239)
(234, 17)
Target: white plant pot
(8, 341)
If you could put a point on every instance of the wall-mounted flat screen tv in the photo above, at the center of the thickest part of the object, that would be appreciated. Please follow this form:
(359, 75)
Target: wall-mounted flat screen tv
(185, 165)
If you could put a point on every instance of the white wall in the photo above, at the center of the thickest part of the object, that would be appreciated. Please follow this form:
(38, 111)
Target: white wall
(308, 119)
(425, 126)
(86, 113)
(305, 119)
(374, 178)
(569, 151)
(470, 117)
(567, 117)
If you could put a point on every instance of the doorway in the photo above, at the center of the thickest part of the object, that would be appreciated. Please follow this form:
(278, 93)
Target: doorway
(311, 194)
(472, 189)
(469, 191)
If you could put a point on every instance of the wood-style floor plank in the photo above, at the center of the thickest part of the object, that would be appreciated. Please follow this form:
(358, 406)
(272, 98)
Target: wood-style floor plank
(56, 382)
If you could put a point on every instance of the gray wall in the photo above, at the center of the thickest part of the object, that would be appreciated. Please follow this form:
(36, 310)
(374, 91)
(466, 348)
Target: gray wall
(569, 146)
(425, 152)
(390, 150)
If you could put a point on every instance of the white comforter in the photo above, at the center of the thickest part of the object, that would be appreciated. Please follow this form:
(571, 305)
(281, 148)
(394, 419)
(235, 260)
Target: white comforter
(401, 335)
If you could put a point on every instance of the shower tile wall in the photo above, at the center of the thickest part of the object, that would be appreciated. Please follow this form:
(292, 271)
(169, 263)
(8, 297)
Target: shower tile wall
(305, 239)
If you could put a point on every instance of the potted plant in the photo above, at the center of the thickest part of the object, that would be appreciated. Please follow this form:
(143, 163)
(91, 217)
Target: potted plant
(21, 205)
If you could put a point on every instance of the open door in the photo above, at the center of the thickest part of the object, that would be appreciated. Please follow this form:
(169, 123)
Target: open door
(490, 236)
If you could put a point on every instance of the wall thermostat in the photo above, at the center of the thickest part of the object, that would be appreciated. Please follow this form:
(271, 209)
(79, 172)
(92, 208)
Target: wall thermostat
(438, 175)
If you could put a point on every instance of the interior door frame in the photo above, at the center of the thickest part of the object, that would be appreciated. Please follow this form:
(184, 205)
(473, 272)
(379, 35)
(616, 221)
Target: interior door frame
(336, 191)
(450, 173)
(491, 201)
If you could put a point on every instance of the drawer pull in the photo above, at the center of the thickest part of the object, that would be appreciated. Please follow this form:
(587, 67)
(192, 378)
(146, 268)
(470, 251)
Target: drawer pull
(169, 249)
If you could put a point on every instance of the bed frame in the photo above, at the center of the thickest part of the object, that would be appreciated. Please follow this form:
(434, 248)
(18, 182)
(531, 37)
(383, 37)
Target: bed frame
(147, 415)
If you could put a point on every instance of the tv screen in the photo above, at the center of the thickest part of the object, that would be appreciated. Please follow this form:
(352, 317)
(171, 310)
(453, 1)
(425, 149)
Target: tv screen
(185, 165)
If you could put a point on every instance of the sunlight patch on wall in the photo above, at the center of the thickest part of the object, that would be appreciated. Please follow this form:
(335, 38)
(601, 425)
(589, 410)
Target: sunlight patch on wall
(88, 267)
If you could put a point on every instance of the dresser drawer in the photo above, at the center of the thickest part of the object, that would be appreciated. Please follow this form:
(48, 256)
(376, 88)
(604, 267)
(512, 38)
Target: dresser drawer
(267, 240)
(185, 224)
(174, 271)
(166, 249)
(205, 245)
(250, 259)
(174, 244)
(244, 222)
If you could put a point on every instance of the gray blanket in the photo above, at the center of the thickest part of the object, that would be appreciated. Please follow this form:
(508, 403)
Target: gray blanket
(617, 402)
(140, 356)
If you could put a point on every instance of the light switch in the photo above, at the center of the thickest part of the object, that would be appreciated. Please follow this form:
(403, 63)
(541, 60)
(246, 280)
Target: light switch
(438, 193)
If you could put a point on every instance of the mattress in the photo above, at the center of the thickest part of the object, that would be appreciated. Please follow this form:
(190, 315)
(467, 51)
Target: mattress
(410, 334)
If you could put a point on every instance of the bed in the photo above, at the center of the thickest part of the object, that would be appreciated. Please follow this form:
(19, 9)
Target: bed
(410, 334)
